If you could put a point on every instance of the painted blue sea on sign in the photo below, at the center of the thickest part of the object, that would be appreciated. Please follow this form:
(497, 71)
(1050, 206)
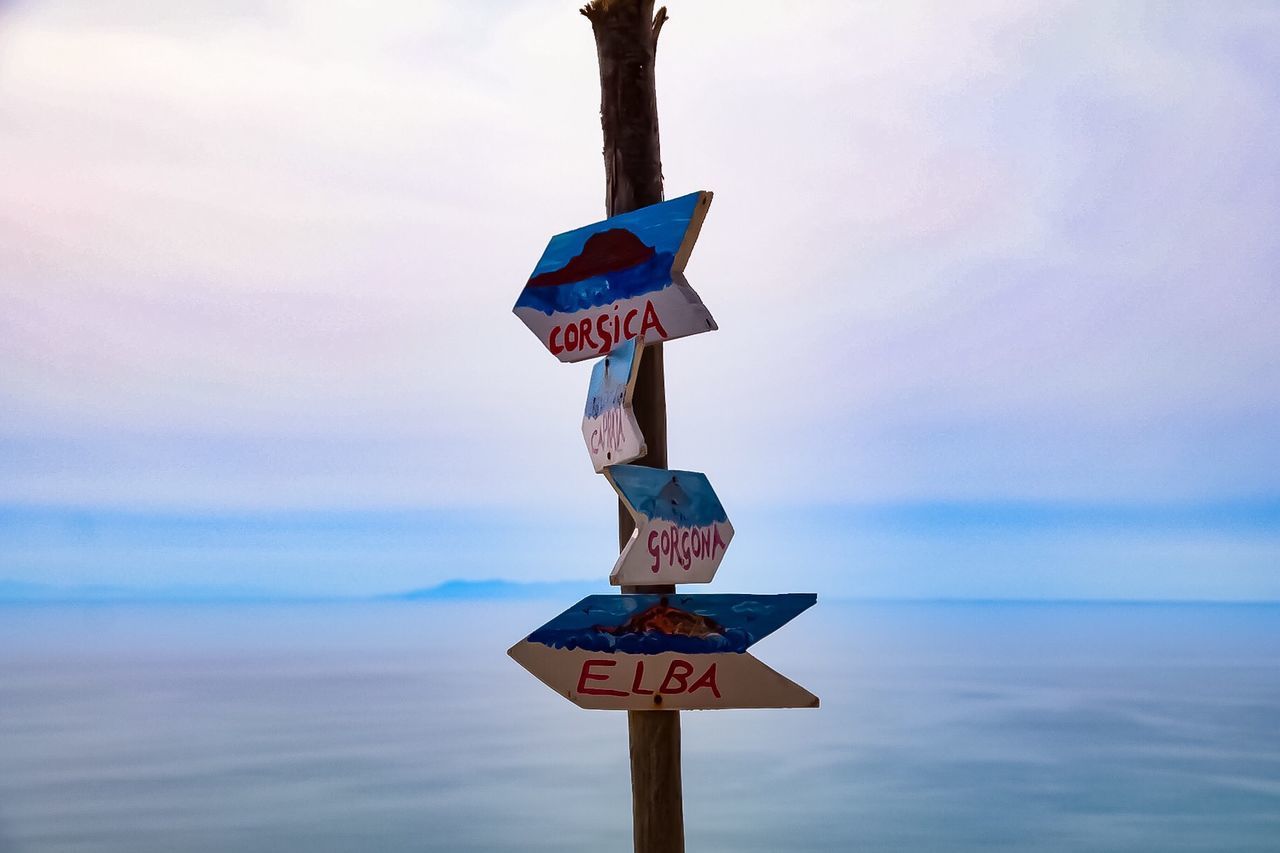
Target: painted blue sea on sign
(684, 498)
(609, 282)
(653, 624)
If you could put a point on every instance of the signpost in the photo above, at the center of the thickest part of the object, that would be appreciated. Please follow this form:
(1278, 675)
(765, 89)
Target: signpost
(681, 532)
(640, 652)
(609, 424)
(650, 651)
(616, 289)
(619, 279)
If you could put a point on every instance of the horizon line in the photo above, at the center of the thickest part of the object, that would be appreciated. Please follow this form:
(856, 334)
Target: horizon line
(461, 591)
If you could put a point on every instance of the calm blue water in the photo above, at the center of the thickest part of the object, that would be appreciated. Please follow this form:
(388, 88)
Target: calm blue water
(403, 726)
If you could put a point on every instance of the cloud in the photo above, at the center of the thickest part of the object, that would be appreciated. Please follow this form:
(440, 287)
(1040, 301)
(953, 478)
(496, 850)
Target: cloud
(265, 254)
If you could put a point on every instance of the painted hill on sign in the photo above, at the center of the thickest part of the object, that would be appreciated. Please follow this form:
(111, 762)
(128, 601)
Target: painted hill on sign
(604, 252)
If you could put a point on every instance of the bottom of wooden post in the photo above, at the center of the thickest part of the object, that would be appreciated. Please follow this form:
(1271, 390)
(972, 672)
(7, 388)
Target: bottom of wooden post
(657, 808)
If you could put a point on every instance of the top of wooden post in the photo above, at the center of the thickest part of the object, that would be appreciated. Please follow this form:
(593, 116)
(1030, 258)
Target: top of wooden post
(626, 33)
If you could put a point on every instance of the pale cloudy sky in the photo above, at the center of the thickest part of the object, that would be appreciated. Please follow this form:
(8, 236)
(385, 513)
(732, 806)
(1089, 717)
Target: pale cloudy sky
(1011, 263)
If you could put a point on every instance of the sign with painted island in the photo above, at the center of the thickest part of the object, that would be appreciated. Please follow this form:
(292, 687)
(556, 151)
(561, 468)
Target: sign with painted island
(681, 532)
(665, 652)
(609, 425)
(616, 280)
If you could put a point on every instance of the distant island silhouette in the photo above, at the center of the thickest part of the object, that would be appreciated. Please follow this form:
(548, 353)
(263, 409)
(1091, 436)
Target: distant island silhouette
(604, 252)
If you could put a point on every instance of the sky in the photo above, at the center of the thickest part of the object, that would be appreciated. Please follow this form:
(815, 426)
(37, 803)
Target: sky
(997, 287)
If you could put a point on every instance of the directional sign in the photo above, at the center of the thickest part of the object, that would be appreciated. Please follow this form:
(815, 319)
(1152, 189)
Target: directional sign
(650, 652)
(608, 424)
(681, 532)
(616, 280)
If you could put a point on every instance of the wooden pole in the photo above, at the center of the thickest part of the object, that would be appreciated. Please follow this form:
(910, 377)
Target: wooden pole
(626, 34)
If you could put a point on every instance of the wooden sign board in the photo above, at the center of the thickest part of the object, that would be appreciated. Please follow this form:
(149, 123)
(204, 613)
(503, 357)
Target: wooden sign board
(651, 652)
(622, 278)
(681, 532)
(609, 425)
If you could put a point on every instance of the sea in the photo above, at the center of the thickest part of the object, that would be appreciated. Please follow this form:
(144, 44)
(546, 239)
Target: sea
(404, 726)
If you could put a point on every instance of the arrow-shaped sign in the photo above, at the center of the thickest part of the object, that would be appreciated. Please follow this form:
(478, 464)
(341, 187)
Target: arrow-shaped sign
(681, 532)
(650, 652)
(609, 425)
(616, 280)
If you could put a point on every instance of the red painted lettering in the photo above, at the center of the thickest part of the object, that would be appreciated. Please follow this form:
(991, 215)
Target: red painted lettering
(707, 680)
(674, 678)
(635, 682)
(588, 675)
(650, 320)
(606, 330)
(717, 542)
(672, 545)
(609, 433)
(602, 329)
